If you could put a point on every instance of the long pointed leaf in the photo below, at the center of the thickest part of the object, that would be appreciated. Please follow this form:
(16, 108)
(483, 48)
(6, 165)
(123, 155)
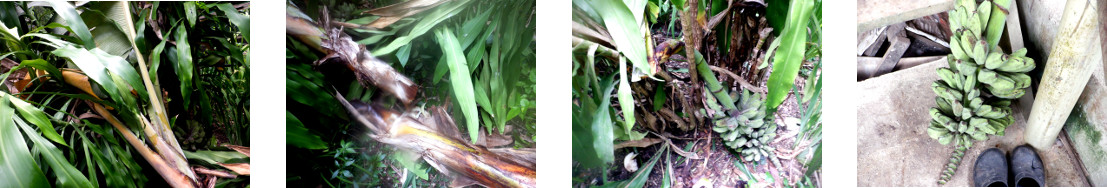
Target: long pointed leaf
(35, 116)
(238, 19)
(67, 174)
(627, 36)
(91, 66)
(462, 84)
(67, 12)
(789, 57)
(184, 64)
(17, 167)
(626, 101)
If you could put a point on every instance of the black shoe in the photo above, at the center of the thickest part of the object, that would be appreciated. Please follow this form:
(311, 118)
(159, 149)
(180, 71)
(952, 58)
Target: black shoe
(1026, 167)
(990, 169)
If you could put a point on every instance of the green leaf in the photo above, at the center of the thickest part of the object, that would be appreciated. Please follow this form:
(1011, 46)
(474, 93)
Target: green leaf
(190, 13)
(238, 19)
(411, 162)
(91, 66)
(297, 135)
(35, 116)
(214, 157)
(67, 175)
(40, 64)
(120, 67)
(624, 30)
(460, 81)
(816, 161)
(403, 55)
(68, 13)
(17, 167)
(155, 61)
(440, 14)
(660, 97)
(626, 101)
(113, 30)
(184, 64)
(789, 59)
(602, 127)
(666, 176)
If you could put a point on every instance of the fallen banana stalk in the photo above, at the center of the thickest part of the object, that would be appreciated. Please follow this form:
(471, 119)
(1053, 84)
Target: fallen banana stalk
(167, 161)
(172, 175)
(340, 48)
(435, 138)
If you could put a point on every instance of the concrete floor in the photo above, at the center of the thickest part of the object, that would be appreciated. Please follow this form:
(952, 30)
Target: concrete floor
(893, 148)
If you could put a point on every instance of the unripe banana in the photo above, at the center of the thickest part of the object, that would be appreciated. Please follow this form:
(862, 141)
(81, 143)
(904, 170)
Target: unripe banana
(966, 41)
(945, 91)
(747, 130)
(987, 76)
(969, 84)
(956, 49)
(936, 132)
(980, 52)
(995, 60)
(1019, 53)
(1017, 64)
(945, 139)
(985, 11)
(943, 105)
(950, 77)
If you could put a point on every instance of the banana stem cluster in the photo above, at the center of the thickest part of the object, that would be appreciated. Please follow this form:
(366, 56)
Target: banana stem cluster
(974, 94)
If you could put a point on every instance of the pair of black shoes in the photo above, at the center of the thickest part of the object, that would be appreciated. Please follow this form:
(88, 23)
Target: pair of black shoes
(1024, 169)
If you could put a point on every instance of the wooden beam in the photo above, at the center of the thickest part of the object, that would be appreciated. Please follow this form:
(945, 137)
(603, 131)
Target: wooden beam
(872, 14)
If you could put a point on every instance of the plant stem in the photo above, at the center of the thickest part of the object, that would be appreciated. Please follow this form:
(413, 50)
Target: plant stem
(172, 176)
(954, 161)
(713, 83)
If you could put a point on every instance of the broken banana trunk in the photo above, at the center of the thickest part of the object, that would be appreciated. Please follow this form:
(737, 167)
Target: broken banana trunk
(436, 139)
(340, 48)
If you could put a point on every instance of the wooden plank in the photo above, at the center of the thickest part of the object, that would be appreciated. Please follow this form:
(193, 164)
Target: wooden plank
(872, 14)
(1014, 28)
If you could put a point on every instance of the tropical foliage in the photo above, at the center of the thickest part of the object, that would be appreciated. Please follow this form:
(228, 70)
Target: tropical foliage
(92, 111)
(486, 48)
(644, 68)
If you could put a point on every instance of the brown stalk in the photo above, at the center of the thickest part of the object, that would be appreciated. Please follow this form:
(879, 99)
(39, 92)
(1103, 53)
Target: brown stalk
(156, 159)
(172, 175)
(430, 137)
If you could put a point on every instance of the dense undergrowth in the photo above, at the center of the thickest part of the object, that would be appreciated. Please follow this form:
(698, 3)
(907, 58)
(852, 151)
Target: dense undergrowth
(124, 94)
(489, 90)
(648, 74)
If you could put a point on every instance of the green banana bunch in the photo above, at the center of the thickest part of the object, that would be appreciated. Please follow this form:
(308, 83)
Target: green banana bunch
(974, 94)
(747, 130)
(1003, 75)
(962, 113)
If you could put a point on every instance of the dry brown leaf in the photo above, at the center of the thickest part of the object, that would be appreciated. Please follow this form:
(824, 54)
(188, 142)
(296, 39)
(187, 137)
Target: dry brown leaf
(238, 168)
(641, 143)
(241, 149)
(216, 173)
(392, 13)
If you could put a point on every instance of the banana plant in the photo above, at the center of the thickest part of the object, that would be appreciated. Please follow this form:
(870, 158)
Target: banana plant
(128, 96)
(481, 53)
(974, 93)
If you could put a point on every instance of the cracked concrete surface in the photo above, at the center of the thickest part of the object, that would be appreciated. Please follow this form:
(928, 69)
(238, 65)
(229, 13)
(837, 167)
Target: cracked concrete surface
(893, 148)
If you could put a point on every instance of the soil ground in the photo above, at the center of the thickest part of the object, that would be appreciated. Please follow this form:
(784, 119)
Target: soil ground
(893, 148)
